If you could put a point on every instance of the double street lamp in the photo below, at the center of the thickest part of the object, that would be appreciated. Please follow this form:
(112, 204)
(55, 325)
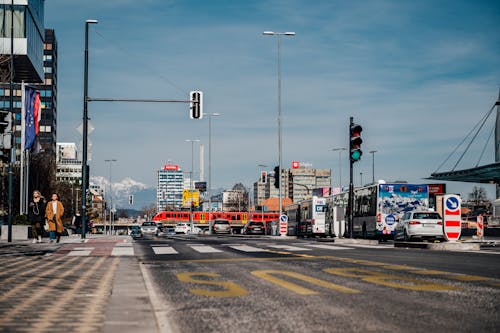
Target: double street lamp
(110, 161)
(340, 150)
(278, 35)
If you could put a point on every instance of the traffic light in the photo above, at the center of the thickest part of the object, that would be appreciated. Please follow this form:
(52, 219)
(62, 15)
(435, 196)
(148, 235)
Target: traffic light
(196, 104)
(355, 142)
(263, 177)
(5, 129)
(131, 199)
(277, 176)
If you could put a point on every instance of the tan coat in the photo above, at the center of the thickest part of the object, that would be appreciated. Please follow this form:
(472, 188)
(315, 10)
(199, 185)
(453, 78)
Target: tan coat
(49, 214)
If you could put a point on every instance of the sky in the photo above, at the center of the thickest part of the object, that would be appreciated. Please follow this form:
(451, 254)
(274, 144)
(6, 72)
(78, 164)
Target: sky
(416, 75)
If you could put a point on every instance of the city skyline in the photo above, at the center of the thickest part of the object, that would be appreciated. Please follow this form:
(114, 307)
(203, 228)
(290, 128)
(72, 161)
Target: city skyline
(417, 77)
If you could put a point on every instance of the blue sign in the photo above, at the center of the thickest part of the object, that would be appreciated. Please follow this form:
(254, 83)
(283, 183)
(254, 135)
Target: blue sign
(452, 203)
(283, 218)
(390, 219)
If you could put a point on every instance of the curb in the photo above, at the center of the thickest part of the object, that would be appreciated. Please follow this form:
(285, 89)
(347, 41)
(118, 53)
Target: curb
(448, 246)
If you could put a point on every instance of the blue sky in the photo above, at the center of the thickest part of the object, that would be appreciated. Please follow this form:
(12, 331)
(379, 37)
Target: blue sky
(416, 75)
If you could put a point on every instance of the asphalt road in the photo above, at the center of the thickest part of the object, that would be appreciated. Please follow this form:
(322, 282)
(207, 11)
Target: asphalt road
(254, 284)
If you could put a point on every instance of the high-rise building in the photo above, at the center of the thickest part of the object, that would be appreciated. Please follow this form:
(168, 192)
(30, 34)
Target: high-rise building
(169, 188)
(47, 136)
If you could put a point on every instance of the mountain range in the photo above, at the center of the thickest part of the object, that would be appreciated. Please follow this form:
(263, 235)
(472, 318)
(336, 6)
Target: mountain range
(144, 195)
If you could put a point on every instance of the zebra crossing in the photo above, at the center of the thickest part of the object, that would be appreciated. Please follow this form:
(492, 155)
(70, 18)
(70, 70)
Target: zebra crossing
(124, 248)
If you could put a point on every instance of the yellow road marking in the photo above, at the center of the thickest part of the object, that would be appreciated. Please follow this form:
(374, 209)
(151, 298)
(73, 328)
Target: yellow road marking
(230, 289)
(268, 275)
(394, 281)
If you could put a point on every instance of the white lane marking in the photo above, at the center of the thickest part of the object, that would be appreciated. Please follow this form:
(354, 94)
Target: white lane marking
(329, 247)
(124, 244)
(289, 248)
(122, 251)
(80, 253)
(247, 248)
(204, 249)
(164, 250)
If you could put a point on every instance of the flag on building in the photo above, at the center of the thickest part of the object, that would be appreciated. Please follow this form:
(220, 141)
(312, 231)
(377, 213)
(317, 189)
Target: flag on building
(31, 116)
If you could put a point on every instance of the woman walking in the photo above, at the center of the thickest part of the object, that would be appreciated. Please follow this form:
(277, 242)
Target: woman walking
(36, 215)
(54, 213)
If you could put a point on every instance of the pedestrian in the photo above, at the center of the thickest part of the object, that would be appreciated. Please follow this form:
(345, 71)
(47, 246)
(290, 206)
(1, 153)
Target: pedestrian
(77, 223)
(54, 213)
(36, 216)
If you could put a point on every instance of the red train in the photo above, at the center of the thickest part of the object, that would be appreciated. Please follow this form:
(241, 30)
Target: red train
(173, 217)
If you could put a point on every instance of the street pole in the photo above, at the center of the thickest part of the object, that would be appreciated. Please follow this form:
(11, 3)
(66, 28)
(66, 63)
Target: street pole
(280, 164)
(110, 161)
(191, 182)
(210, 169)
(373, 165)
(12, 139)
(85, 127)
(351, 187)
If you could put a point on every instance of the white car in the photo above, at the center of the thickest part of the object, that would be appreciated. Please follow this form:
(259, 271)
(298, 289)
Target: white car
(419, 224)
(185, 228)
(149, 228)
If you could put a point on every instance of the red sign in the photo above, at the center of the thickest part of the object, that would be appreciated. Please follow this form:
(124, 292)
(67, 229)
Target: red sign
(295, 164)
(452, 226)
(437, 188)
(171, 167)
(480, 226)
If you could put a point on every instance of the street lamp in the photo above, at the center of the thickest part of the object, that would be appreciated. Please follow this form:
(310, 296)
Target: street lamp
(111, 198)
(278, 35)
(340, 164)
(373, 165)
(191, 181)
(210, 168)
(85, 126)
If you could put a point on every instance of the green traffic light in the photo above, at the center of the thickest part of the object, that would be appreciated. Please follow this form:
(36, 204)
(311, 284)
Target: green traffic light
(356, 155)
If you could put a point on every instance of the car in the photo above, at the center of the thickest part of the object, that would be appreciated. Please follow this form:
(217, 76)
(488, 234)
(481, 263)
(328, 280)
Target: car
(136, 232)
(166, 231)
(149, 227)
(185, 228)
(419, 224)
(254, 227)
(221, 226)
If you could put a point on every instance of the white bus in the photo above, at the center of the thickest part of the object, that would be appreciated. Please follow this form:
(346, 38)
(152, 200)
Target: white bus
(307, 218)
(377, 208)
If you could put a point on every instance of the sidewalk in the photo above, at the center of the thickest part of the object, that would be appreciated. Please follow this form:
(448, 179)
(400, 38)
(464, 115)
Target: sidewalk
(92, 294)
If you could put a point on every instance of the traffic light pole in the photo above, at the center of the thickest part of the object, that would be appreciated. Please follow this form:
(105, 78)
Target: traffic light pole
(350, 204)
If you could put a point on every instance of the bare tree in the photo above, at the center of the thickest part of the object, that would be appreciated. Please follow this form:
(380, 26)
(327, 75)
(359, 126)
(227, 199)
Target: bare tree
(478, 195)
(149, 210)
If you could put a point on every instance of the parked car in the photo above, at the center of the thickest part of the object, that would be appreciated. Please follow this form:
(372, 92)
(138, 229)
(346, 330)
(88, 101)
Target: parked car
(166, 231)
(419, 224)
(149, 227)
(185, 228)
(254, 228)
(221, 226)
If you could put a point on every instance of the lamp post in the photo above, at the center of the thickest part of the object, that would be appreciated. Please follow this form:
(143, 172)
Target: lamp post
(361, 179)
(373, 165)
(210, 169)
(110, 161)
(340, 164)
(278, 35)
(261, 203)
(191, 181)
(85, 126)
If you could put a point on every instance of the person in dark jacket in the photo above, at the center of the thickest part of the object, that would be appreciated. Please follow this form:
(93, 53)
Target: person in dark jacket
(36, 215)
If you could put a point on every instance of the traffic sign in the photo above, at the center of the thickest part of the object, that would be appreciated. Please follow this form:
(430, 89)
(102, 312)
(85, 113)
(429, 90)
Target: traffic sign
(480, 226)
(283, 225)
(452, 223)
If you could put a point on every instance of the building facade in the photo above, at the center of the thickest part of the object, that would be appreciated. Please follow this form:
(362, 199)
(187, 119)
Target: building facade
(298, 183)
(169, 188)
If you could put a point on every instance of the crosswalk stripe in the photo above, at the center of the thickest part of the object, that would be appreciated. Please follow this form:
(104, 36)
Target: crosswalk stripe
(247, 248)
(205, 249)
(80, 252)
(289, 248)
(122, 251)
(164, 250)
(328, 247)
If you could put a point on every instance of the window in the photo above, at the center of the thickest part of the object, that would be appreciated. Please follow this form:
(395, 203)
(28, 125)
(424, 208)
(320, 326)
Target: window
(47, 70)
(47, 57)
(6, 22)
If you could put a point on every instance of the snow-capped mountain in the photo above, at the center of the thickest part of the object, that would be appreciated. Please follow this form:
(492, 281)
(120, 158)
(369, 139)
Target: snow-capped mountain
(143, 194)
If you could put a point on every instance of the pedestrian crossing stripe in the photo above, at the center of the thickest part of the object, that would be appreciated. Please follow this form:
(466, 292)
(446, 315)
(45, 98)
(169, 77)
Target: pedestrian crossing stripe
(164, 250)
